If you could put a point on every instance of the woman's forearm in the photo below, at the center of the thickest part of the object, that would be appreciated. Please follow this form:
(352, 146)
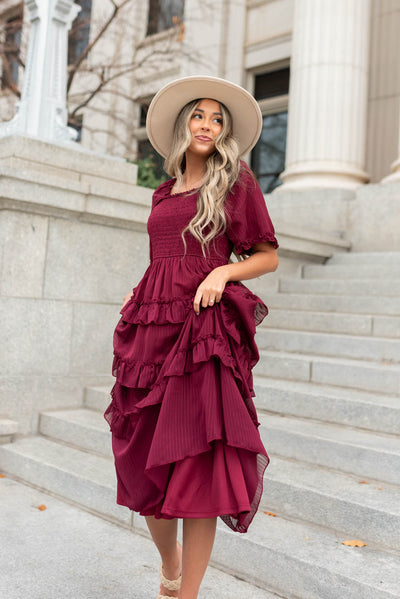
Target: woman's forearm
(259, 263)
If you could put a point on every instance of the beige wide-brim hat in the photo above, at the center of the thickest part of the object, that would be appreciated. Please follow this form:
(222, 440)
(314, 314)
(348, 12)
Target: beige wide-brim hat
(168, 102)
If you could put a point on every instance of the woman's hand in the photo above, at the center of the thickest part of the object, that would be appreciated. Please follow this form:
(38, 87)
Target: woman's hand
(210, 290)
(127, 298)
(264, 259)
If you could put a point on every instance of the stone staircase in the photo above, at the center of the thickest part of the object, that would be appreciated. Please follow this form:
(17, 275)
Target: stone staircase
(327, 387)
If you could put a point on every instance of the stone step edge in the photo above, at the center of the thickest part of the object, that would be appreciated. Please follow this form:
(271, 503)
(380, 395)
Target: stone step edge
(296, 463)
(310, 526)
(264, 413)
(330, 391)
(274, 298)
(323, 334)
(335, 360)
(367, 318)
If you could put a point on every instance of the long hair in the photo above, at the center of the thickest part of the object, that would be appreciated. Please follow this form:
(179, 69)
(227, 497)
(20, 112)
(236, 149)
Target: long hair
(222, 171)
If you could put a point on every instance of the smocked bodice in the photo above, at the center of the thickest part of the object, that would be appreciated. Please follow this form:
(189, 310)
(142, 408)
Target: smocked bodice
(169, 216)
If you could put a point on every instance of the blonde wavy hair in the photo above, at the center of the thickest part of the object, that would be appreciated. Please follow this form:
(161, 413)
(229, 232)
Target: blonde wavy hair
(222, 171)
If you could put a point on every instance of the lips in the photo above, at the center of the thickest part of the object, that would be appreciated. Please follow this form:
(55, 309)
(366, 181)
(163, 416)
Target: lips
(203, 138)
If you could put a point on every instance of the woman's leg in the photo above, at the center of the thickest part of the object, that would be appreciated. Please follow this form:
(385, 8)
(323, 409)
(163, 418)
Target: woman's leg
(164, 534)
(198, 540)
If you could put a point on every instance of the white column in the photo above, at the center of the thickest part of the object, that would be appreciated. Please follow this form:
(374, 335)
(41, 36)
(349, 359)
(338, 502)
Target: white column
(328, 95)
(42, 110)
(395, 167)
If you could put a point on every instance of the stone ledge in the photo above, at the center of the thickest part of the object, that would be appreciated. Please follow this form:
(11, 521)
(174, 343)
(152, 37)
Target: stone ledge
(49, 196)
(309, 245)
(35, 153)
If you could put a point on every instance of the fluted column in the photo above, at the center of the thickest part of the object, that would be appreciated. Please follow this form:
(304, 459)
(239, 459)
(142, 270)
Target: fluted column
(328, 95)
(42, 110)
(395, 167)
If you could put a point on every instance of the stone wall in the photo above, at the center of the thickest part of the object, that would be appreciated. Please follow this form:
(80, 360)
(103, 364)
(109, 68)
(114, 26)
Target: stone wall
(73, 242)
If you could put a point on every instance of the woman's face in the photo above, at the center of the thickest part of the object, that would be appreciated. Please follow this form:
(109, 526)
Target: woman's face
(205, 125)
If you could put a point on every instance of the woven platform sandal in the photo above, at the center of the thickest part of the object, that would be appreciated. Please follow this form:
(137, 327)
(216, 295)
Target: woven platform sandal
(170, 585)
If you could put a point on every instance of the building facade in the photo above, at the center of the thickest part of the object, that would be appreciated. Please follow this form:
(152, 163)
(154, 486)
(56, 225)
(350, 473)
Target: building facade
(325, 72)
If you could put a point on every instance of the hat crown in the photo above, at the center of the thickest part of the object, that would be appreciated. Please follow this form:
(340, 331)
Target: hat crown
(168, 102)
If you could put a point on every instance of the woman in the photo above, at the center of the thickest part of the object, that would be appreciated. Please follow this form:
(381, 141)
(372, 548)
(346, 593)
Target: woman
(184, 427)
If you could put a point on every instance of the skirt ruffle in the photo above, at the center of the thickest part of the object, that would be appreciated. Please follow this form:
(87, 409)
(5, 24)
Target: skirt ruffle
(185, 429)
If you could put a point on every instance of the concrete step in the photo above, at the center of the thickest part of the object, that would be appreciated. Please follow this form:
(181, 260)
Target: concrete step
(97, 397)
(307, 562)
(372, 411)
(369, 258)
(373, 272)
(379, 349)
(363, 287)
(366, 510)
(328, 322)
(82, 428)
(354, 304)
(340, 372)
(325, 322)
(8, 428)
(363, 453)
(73, 474)
(276, 496)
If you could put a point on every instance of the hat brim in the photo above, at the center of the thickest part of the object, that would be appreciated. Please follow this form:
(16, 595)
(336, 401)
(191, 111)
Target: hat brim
(167, 103)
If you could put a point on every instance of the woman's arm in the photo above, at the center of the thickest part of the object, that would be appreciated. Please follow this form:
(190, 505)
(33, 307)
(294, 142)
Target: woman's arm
(264, 259)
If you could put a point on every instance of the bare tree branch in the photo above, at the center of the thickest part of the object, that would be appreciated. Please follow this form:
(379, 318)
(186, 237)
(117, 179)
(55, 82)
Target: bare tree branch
(89, 47)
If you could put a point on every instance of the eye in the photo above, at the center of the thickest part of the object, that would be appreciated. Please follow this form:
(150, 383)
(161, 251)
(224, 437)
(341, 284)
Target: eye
(218, 120)
(196, 115)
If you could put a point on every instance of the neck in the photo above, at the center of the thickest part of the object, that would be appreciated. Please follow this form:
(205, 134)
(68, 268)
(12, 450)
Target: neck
(195, 168)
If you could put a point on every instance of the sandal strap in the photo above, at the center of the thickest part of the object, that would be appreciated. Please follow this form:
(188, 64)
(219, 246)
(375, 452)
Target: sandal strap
(164, 597)
(170, 585)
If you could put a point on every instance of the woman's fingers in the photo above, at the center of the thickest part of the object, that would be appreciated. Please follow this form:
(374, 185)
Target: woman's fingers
(205, 299)
(127, 298)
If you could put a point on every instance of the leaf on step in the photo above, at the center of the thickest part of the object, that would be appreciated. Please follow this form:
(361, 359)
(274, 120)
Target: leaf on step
(2, 475)
(41, 507)
(363, 482)
(270, 514)
(354, 543)
(379, 488)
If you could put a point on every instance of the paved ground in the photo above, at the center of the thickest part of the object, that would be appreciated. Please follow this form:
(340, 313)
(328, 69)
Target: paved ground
(64, 552)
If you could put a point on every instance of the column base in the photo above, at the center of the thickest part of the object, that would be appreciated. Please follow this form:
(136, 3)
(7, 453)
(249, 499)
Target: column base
(394, 177)
(322, 174)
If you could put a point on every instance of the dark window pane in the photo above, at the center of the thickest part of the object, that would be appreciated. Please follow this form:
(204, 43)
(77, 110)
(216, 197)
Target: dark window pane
(274, 83)
(164, 14)
(146, 150)
(268, 156)
(12, 42)
(79, 35)
(144, 106)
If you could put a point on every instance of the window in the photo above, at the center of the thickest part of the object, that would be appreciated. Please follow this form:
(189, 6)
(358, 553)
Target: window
(10, 53)
(79, 34)
(164, 14)
(156, 162)
(268, 156)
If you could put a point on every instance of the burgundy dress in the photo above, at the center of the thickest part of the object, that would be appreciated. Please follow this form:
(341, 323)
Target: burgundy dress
(184, 428)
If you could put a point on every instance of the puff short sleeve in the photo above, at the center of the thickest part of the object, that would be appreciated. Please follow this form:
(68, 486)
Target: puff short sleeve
(248, 221)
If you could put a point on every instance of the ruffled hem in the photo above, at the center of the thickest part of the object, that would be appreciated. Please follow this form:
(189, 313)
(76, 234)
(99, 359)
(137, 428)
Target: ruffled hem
(137, 373)
(157, 310)
(245, 247)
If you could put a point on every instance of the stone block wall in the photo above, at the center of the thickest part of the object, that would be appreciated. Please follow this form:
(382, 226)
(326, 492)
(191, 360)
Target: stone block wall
(65, 265)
